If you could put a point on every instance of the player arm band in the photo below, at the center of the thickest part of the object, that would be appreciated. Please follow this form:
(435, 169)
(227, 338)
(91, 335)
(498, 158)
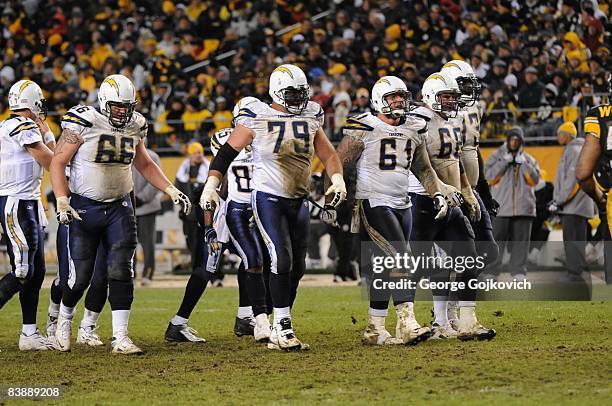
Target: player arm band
(224, 158)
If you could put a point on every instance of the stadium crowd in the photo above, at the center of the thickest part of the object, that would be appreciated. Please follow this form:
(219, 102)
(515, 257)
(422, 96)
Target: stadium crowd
(548, 56)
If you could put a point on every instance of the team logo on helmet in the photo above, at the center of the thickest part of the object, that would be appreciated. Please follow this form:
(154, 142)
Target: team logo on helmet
(437, 76)
(451, 65)
(114, 84)
(24, 85)
(382, 80)
(285, 70)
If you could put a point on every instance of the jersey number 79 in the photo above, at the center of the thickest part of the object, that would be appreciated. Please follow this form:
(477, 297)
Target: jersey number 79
(299, 129)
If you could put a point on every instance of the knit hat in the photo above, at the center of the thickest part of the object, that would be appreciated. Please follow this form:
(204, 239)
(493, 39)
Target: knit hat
(568, 127)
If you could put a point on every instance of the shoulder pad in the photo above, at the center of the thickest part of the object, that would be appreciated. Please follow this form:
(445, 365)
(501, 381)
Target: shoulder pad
(24, 125)
(415, 123)
(140, 121)
(601, 111)
(220, 137)
(422, 113)
(358, 123)
(313, 108)
(81, 115)
(246, 112)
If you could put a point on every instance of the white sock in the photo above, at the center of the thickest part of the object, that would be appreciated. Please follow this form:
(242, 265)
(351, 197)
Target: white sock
(178, 320)
(378, 312)
(245, 312)
(28, 329)
(440, 314)
(90, 319)
(280, 313)
(120, 323)
(468, 312)
(54, 309)
(467, 304)
(66, 312)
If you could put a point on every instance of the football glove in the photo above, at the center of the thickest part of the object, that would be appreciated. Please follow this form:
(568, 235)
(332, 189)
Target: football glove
(179, 197)
(337, 190)
(210, 236)
(65, 212)
(440, 205)
(484, 191)
(493, 208)
(553, 207)
(473, 207)
(452, 195)
(210, 198)
(329, 215)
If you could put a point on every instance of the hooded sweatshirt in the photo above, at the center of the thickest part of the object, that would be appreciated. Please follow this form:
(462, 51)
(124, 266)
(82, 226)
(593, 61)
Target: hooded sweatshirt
(512, 178)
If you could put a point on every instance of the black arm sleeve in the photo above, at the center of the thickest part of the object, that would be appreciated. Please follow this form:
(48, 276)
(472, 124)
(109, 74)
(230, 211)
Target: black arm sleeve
(482, 187)
(224, 158)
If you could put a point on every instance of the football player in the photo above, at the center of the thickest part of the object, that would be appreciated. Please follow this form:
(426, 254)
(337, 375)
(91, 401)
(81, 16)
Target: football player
(204, 266)
(24, 153)
(101, 145)
(594, 168)
(246, 240)
(94, 299)
(455, 234)
(284, 137)
(382, 147)
(214, 234)
(470, 112)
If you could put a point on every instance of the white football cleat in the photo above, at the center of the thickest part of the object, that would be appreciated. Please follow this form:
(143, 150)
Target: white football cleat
(262, 329)
(34, 342)
(442, 331)
(51, 326)
(124, 346)
(89, 336)
(63, 334)
(283, 338)
(470, 328)
(376, 333)
(407, 329)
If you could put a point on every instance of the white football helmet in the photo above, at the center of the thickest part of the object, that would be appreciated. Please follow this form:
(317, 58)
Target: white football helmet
(387, 86)
(242, 103)
(117, 91)
(289, 88)
(26, 94)
(437, 85)
(468, 83)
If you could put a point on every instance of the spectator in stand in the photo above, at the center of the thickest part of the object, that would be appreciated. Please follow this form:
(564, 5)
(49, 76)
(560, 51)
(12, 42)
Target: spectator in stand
(190, 176)
(513, 174)
(148, 205)
(570, 202)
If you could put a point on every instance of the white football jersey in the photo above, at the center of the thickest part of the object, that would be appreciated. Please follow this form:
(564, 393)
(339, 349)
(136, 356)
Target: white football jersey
(471, 116)
(383, 168)
(283, 147)
(443, 138)
(20, 174)
(240, 171)
(101, 169)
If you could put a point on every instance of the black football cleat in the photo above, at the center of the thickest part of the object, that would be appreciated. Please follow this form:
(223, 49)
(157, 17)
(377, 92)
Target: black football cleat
(244, 327)
(182, 334)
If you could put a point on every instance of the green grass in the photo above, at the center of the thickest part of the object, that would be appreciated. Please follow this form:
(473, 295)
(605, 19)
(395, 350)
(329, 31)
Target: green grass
(546, 353)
